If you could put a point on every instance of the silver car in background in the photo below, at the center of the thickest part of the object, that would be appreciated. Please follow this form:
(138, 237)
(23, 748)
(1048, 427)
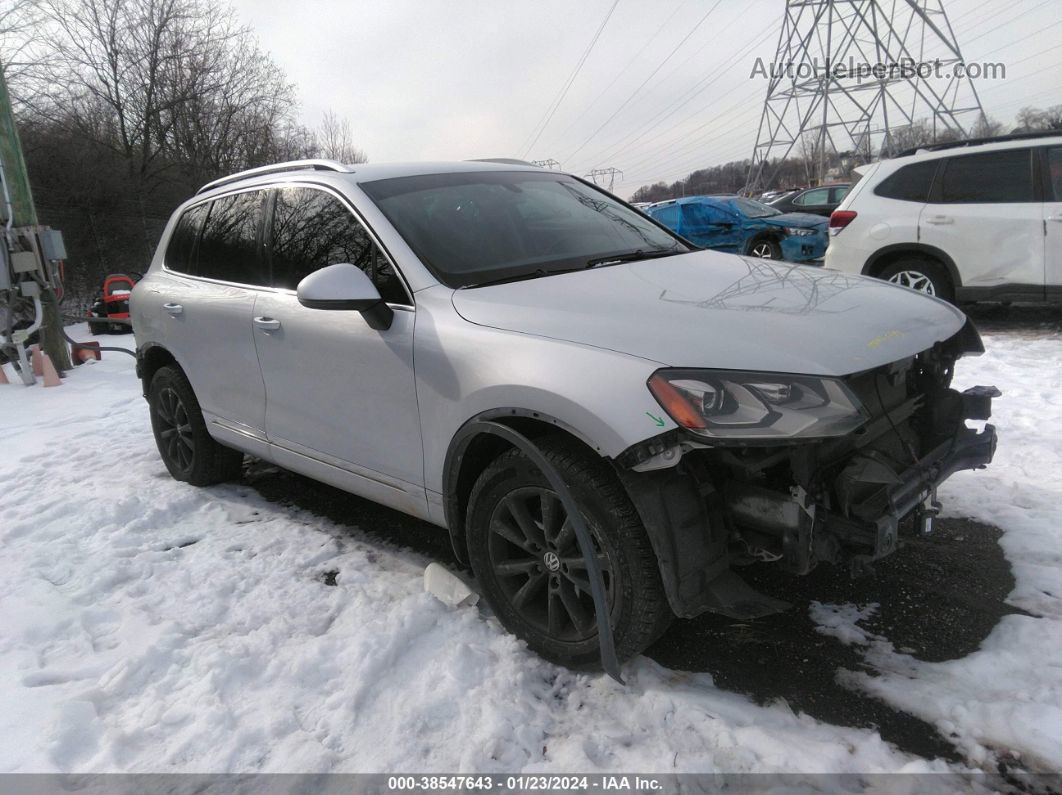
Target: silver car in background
(367, 325)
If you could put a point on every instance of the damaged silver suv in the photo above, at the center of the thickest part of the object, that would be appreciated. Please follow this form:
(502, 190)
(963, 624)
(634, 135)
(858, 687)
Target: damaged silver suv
(486, 345)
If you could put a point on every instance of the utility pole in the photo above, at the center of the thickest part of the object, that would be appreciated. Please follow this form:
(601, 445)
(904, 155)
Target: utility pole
(849, 76)
(30, 252)
(548, 163)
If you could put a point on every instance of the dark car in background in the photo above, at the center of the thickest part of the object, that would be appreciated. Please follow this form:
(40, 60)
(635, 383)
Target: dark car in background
(743, 226)
(817, 201)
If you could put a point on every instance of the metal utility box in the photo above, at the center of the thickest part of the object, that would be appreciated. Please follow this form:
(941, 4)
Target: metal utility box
(51, 244)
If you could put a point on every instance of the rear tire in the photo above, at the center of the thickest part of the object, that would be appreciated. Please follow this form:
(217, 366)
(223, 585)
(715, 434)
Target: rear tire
(922, 275)
(525, 556)
(187, 448)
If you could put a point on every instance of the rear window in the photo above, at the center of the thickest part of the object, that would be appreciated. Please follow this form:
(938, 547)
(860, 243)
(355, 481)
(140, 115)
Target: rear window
(180, 251)
(1054, 171)
(228, 245)
(991, 178)
(910, 184)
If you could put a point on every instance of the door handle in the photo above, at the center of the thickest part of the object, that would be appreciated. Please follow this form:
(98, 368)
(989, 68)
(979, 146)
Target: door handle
(173, 309)
(940, 220)
(267, 323)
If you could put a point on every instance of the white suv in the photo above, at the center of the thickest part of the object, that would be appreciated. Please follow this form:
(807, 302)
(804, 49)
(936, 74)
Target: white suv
(972, 221)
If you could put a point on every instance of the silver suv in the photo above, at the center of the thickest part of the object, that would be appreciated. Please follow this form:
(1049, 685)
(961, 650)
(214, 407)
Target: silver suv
(486, 345)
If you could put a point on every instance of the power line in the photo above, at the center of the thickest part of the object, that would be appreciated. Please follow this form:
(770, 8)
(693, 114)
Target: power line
(660, 66)
(623, 71)
(571, 79)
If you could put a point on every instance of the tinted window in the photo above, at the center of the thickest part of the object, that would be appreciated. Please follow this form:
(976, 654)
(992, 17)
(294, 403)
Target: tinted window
(228, 247)
(818, 196)
(668, 216)
(482, 226)
(180, 250)
(837, 194)
(312, 229)
(990, 178)
(911, 183)
(1054, 172)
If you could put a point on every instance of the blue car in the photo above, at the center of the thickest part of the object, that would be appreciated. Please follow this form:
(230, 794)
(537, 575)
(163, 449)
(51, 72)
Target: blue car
(743, 226)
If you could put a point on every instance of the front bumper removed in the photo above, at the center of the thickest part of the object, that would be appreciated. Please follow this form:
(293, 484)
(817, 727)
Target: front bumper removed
(813, 530)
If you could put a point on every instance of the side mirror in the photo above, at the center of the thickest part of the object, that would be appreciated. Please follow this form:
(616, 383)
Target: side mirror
(345, 286)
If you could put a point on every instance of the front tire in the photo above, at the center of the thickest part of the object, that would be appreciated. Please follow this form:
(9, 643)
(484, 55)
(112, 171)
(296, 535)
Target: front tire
(187, 448)
(525, 555)
(765, 248)
(921, 275)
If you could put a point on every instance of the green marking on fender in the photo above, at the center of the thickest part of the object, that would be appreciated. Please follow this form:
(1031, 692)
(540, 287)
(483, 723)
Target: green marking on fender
(658, 420)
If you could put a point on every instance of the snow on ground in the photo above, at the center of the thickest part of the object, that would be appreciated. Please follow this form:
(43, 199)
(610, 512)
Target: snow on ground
(146, 625)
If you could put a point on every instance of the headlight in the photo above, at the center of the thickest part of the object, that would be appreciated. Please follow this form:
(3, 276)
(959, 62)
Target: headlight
(728, 404)
(797, 231)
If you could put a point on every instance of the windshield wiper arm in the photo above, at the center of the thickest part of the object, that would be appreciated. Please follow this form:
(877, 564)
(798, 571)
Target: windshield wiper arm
(519, 277)
(633, 256)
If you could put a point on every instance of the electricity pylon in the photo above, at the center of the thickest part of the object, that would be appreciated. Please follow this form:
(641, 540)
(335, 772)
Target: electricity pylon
(610, 173)
(850, 76)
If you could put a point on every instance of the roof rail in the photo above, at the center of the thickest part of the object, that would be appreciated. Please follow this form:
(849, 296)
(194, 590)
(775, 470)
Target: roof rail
(507, 161)
(998, 139)
(291, 165)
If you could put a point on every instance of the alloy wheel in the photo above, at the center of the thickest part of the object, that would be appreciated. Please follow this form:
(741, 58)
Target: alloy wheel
(535, 557)
(915, 281)
(763, 250)
(175, 428)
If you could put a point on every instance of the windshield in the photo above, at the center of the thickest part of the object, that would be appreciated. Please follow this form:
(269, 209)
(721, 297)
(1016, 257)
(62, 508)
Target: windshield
(488, 226)
(753, 209)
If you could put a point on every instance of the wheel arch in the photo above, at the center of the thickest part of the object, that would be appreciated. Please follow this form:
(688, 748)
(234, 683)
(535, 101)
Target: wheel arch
(150, 357)
(472, 449)
(886, 256)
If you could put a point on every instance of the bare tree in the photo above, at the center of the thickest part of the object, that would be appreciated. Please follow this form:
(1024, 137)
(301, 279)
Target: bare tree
(1040, 119)
(336, 142)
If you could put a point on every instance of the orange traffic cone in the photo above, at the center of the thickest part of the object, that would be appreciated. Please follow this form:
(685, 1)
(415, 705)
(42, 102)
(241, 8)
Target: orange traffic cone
(35, 360)
(51, 376)
(3, 375)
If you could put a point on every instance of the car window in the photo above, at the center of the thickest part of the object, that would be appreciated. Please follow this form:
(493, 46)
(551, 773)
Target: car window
(1054, 172)
(483, 226)
(752, 209)
(668, 216)
(910, 183)
(988, 178)
(813, 197)
(228, 245)
(312, 229)
(701, 215)
(180, 250)
(837, 194)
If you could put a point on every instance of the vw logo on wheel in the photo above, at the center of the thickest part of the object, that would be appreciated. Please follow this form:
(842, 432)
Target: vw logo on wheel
(552, 561)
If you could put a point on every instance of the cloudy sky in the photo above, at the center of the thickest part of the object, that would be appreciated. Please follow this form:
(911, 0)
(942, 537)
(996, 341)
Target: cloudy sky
(665, 89)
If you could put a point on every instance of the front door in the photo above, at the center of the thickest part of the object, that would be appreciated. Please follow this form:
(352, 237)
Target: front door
(985, 214)
(341, 401)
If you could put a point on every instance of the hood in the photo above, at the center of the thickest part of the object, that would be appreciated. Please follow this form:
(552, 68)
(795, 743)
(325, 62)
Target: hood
(796, 219)
(708, 309)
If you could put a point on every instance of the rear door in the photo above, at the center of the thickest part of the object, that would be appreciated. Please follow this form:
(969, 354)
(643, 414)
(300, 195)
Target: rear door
(341, 399)
(213, 272)
(709, 226)
(985, 212)
(1053, 220)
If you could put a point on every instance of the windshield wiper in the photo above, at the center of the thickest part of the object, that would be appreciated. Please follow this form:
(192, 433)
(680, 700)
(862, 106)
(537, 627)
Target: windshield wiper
(633, 256)
(519, 277)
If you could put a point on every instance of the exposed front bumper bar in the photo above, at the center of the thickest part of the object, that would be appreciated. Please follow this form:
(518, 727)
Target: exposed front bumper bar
(812, 531)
